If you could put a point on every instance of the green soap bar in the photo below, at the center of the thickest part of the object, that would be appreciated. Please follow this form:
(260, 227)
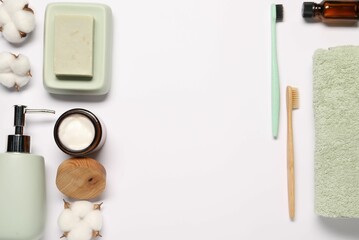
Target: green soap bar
(79, 83)
(73, 45)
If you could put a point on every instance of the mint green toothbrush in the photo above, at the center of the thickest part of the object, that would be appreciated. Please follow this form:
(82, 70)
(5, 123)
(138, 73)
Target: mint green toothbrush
(276, 15)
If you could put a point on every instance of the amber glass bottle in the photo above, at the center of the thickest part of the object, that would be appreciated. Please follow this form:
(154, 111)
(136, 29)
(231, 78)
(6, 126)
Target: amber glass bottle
(331, 11)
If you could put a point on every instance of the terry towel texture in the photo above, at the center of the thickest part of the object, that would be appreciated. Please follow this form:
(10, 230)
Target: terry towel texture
(336, 117)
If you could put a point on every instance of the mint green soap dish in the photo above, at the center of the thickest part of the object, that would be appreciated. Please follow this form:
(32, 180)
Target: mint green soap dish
(77, 48)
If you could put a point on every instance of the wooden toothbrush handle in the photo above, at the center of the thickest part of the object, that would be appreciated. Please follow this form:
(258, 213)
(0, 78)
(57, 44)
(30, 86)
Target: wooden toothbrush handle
(290, 166)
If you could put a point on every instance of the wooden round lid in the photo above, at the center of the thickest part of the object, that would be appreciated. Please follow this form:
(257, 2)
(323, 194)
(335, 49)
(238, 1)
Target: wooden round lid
(81, 178)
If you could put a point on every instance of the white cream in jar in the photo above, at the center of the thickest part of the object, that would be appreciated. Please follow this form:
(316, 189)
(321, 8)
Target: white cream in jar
(79, 132)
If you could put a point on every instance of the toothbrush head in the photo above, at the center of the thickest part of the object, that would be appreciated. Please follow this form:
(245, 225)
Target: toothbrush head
(292, 98)
(295, 98)
(277, 12)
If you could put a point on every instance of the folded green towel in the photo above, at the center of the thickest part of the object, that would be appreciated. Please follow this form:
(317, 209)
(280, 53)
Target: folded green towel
(336, 114)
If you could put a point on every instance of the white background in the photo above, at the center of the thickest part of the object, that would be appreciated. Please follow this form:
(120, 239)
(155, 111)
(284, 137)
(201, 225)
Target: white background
(189, 153)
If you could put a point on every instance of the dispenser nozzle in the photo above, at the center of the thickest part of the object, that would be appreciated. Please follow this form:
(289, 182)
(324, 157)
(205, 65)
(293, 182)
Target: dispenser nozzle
(20, 142)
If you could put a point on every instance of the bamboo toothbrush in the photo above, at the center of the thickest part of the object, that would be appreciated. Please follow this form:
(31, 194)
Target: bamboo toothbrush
(292, 103)
(276, 16)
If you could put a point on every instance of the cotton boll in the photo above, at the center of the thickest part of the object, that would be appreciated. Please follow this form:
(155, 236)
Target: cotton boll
(14, 71)
(11, 33)
(81, 208)
(6, 59)
(94, 219)
(24, 21)
(21, 65)
(16, 20)
(80, 220)
(7, 79)
(67, 220)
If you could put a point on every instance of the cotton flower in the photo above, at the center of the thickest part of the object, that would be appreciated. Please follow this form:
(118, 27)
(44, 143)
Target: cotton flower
(17, 20)
(14, 70)
(81, 220)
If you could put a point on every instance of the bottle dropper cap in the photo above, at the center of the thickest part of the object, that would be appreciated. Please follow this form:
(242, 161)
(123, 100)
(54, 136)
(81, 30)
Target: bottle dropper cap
(19, 142)
(308, 9)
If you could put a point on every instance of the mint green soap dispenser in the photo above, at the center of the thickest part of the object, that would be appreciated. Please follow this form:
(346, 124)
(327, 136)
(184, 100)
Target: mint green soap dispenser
(22, 185)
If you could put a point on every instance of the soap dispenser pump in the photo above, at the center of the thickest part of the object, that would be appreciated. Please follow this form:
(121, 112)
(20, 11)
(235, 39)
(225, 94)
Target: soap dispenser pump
(22, 185)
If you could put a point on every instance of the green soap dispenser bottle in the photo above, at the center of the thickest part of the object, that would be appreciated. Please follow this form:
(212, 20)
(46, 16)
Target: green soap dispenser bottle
(22, 185)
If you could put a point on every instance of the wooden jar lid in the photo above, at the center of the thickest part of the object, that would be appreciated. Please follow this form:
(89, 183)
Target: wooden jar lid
(81, 178)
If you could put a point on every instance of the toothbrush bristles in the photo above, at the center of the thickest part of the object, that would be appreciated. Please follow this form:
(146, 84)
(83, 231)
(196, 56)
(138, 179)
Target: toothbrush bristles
(295, 98)
(279, 12)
